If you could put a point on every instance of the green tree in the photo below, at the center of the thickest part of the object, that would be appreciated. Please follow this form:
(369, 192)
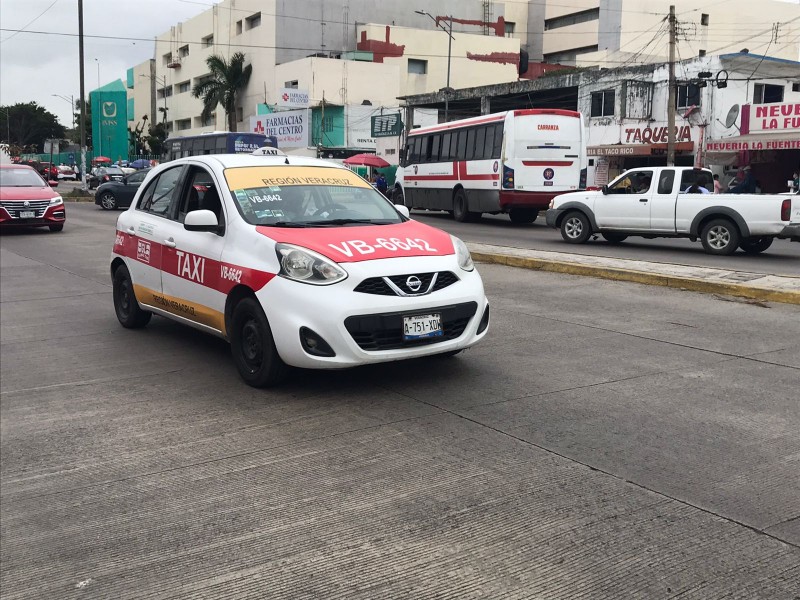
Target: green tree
(136, 138)
(28, 124)
(75, 134)
(155, 139)
(222, 87)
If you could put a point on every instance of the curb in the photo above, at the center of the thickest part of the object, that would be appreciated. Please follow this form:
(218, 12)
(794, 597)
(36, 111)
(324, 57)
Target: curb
(670, 281)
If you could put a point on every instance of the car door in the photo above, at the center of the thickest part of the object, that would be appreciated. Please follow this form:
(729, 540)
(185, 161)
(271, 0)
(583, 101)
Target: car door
(191, 278)
(626, 205)
(662, 203)
(128, 189)
(146, 226)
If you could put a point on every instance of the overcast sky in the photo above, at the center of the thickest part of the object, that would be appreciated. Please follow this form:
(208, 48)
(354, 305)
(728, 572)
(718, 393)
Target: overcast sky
(33, 66)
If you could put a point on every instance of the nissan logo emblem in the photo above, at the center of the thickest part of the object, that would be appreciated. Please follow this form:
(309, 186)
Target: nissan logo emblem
(413, 283)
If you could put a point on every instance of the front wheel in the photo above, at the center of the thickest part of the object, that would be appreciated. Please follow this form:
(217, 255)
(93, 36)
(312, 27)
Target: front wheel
(755, 245)
(253, 346)
(575, 227)
(523, 216)
(614, 238)
(56, 228)
(107, 201)
(129, 313)
(720, 237)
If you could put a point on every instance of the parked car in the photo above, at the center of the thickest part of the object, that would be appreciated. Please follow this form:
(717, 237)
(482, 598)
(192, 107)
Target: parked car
(103, 174)
(119, 194)
(66, 172)
(49, 171)
(28, 200)
(296, 262)
(673, 202)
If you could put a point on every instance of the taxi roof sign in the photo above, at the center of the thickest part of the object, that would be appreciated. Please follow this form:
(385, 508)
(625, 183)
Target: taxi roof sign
(268, 151)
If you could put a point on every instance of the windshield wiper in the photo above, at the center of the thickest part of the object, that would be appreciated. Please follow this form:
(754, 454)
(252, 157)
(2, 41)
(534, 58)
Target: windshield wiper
(286, 224)
(338, 222)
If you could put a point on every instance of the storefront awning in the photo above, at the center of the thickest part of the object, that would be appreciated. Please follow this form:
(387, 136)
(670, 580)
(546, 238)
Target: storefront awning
(638, 149)
(788, 140)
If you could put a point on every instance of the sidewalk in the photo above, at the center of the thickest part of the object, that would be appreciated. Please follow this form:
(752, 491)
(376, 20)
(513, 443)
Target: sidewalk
(757, 286)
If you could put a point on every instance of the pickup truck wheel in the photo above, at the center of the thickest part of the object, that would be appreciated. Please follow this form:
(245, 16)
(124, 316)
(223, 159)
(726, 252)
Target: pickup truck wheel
(614, 238)
(575, 227)
(720, 236)
(755, 245)
(523, 216)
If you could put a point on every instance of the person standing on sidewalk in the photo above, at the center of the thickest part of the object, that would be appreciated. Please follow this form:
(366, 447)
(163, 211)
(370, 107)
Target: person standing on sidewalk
(717, 185)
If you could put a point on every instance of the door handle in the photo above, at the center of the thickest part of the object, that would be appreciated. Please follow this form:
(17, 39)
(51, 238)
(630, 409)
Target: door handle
(170, 243)
(642, 199)
(131, 231)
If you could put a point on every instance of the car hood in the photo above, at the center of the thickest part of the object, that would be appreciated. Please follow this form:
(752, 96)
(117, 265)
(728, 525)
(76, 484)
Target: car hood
(8, 194)
(584, 197)
(354, 243)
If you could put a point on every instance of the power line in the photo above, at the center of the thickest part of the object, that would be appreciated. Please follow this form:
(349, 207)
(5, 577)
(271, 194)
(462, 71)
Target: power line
(24, 27)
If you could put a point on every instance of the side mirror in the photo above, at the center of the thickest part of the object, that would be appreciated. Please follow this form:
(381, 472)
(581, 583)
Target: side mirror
(604, 189)
(201, 220)
(53, 183)
(403, 210)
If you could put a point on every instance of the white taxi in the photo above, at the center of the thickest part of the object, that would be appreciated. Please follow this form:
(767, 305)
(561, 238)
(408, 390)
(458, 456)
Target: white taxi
(296, 262)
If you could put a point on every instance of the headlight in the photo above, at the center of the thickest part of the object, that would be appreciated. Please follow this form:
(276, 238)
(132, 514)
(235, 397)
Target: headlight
(300, 264)
(462, 254)
(57, 200)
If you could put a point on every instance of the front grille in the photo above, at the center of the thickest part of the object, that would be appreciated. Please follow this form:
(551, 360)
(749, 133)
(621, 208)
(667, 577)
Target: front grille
(381, 285)
(14, 208)
(385, 331)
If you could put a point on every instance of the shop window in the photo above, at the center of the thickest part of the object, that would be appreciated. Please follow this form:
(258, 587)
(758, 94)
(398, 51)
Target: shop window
(764, 93)
(603, 103)
(418, 67)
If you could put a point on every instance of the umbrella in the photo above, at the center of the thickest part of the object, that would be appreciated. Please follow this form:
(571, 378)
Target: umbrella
(99, 159)
(367, 160)
(141, 163)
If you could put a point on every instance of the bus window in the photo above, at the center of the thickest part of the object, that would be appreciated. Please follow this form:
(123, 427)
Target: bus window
(470, 155)
(462, 145)
(480, 143)
(415, 153)
(445, 155)
(434, 143)
(498, 141)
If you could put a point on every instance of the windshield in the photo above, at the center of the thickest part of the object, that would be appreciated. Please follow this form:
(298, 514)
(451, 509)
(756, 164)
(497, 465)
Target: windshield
(295, 196)
(20, 178)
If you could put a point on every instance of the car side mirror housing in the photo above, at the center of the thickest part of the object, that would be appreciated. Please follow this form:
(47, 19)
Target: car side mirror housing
(53, 183)
(201, 220)
(403, 210)
(604, 189)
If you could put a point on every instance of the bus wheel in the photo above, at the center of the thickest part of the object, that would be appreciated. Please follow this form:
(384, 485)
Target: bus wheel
(397, 196)
(575, 228)
(460, 212)
(522, 216)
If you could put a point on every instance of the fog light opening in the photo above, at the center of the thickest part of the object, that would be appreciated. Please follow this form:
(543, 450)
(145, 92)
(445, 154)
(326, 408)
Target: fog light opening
(313, 344)
(484, 321)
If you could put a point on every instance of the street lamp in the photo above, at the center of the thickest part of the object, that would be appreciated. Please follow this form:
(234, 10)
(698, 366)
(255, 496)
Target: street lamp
(449, 32)
(71, 101)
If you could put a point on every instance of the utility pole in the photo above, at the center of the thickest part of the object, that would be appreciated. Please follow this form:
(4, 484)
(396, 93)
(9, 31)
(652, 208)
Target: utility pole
(83, 96)
(449, 55)
(672, 90)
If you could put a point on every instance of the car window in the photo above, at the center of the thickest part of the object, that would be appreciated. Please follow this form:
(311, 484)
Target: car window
(137, 177)
(160, 193)
(307, 197)
(665, 181)
(633, 182)
(698, 178)
(200, 194)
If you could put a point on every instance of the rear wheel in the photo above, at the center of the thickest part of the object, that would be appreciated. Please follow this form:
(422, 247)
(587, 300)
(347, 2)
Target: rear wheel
(720, 236)
(522, 216)
(108, 201)
(614, 238)
(755, 245)
(253, 346)
(129, 313)
(56, 228)
(575, 227)
(460, 209)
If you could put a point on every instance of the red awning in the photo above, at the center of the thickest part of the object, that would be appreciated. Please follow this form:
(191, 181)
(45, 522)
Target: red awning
(789, 140)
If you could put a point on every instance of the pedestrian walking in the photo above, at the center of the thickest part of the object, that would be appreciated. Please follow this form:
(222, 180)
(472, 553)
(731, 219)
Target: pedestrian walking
(381, 185)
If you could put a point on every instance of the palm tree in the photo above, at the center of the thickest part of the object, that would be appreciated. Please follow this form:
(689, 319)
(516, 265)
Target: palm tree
(227, 79)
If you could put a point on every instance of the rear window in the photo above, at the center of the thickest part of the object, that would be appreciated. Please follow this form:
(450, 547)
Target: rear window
(296, 196)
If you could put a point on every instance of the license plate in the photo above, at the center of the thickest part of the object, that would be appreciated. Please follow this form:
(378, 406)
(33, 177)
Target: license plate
(27, 214)
(422, 326)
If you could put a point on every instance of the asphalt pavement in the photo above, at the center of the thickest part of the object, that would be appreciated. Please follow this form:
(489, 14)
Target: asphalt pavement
(606, 440)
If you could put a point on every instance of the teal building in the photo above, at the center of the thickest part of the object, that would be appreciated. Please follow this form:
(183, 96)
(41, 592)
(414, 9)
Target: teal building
(110, 121)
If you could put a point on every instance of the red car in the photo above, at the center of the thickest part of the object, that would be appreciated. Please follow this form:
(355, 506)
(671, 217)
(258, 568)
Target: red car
(28, 200)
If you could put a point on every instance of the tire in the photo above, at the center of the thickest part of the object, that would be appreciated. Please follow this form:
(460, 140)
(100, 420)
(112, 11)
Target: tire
(720, 237)
(129, 313)
(108, 201)
(253, 347)
(575, 227)
(614, 238)
(460, 212)
(755, 245)
(523, 216)
(397, 196)
(57, 228)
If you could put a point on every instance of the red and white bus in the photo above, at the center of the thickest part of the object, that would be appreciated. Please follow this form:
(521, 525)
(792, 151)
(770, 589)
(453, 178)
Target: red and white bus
(512, 162)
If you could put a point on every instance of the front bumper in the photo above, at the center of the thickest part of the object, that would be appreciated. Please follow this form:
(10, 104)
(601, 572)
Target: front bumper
(551, 217)
(363, 328)
(53, 215)
(791, 231)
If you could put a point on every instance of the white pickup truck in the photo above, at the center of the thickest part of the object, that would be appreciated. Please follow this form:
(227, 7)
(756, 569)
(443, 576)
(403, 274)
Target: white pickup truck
(671, 202)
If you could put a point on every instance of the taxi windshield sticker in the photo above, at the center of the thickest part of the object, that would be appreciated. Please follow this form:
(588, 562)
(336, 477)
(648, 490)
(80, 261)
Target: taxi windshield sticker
(274, 178)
